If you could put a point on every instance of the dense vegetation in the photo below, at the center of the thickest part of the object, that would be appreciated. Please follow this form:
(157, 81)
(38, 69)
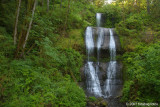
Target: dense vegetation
(43, 69)
(138, 25)
(40, 65)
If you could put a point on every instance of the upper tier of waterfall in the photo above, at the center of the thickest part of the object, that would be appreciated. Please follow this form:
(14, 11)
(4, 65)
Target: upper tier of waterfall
(98, 18)
(97, 41)
(89, 41)
(112, 46)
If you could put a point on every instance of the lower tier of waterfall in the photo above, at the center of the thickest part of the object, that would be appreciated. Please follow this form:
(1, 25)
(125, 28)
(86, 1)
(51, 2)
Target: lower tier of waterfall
(93, 83)
(103, 79)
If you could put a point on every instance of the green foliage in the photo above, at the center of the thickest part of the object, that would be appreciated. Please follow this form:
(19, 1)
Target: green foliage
(6, 47)
(92, 99)
(134, 22)
(155, 10)
(89, 16)
(53, 55)
(132, 6)
(39, 80)
(143, 70)
(6, 19)
(99, 3)
(45, 76)
(112, 15)
(31, 85)
(131, 26)
(75, 41)
(66, 60)
(127, 90)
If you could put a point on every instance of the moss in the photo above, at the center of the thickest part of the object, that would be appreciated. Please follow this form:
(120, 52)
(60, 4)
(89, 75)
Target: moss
(92, 99)
(74, 40)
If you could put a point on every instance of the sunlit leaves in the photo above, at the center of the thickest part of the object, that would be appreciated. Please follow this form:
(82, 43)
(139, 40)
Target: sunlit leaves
(143, 67)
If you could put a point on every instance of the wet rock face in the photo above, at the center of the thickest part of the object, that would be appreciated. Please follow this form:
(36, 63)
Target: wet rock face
(104, 51)
(102, 75)
(115, 102)
(99, 102)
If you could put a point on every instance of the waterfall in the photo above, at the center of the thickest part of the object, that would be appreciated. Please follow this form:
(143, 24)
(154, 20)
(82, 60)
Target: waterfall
(112, 46)
(111, 71)
(93, 84)
(89, 41)
(98, 40)
(98, 17)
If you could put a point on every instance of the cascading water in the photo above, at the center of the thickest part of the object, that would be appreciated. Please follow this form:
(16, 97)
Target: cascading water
(112, 46)
(98, 17)
(111, 71)
(89, 41)
(93, 84)
(97, 40)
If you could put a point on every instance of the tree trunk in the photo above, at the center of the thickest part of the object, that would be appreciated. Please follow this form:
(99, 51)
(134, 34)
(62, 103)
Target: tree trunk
(47, 5)
(61, 4)
(30, 23)
(25, 33)
(148, 6)
(16, 22)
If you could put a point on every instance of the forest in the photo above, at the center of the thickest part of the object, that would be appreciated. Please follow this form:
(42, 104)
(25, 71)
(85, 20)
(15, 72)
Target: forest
(42, 50)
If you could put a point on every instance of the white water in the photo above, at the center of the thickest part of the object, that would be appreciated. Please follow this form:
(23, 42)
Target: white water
(100, 41)
(92, 69)
(93, 85)
(112, 46)
(89, 41)
(98, 17)
(111, 70)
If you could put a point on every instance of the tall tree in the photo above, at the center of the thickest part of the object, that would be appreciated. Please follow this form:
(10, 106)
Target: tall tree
(61, 4)
(155, 9)
(47, 5)
(25, 33)
(30, 23)
(148, 6)
(16, 22)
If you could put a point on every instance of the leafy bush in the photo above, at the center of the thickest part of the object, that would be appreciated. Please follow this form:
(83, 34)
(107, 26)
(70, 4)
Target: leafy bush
(32, 85)
(92, 99)
(67, 60)
(6, 45)
(112, 15)
(132, 26)
(43, 77)
(134, 22)
(7, 20)
(143, 70)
